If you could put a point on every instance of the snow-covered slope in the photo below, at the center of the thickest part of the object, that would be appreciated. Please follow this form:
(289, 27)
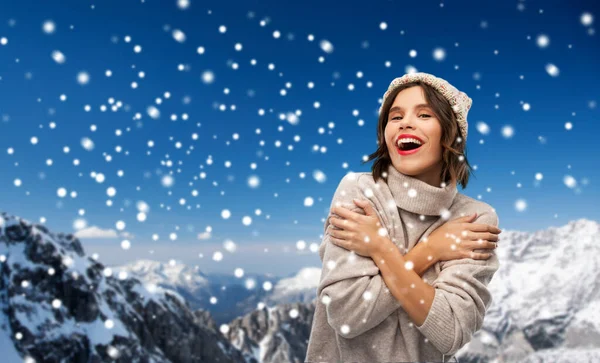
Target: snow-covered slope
(299, 288)
(60, 305)
(274, 334)
(236, 297)
(546, 297)
(545, 308)
(57, 301)
(226, 297)
(172, 274)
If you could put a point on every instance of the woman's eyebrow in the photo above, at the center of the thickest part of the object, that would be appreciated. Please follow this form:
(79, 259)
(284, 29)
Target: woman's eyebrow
(400, 108)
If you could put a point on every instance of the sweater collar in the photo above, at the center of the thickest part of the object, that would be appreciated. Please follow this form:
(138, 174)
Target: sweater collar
(418, 197)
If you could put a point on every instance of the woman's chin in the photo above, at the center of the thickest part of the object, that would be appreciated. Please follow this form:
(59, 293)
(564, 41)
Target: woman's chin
(407, 169)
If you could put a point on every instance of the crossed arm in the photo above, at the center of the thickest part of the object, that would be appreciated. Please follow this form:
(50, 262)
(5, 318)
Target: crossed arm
(421, 258)
(355, 290)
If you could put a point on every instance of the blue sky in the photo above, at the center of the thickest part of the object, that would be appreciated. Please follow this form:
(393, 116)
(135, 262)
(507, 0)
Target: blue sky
(504, 55)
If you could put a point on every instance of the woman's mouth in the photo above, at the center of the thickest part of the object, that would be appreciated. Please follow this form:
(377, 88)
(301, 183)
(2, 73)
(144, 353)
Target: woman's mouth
(409, 149)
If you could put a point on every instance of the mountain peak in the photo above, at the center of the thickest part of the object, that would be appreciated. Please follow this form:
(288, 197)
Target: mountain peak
(59, 304)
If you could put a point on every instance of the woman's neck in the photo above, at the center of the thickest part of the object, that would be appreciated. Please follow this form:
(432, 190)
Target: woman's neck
(418, 196)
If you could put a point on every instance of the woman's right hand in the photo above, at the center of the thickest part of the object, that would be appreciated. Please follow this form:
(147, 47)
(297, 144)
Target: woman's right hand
(458, 238)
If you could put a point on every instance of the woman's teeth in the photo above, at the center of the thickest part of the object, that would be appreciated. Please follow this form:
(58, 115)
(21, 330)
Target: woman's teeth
(408, 144)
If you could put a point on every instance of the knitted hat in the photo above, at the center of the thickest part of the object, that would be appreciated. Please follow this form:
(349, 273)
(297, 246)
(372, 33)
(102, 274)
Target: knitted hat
(460, 102)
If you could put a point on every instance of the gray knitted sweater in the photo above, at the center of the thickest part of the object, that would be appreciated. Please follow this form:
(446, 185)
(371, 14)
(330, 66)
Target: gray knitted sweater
(379, 328)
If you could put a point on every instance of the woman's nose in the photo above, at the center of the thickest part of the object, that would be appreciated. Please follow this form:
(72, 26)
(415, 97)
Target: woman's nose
(406, 122)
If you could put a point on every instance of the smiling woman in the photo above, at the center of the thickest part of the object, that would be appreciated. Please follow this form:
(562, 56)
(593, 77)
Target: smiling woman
(418, 112)
(400, 281)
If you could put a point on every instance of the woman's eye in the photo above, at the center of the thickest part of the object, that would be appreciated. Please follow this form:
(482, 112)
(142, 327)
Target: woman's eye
(423, 114)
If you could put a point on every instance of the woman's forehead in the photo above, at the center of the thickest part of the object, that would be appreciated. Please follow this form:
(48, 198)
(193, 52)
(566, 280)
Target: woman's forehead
(412, 97)
(401, 107)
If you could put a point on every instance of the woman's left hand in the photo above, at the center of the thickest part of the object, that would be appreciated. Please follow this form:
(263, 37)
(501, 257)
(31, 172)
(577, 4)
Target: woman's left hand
(360, 233)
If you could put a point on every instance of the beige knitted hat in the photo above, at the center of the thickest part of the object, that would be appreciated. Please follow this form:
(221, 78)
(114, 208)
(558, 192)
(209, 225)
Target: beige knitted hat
(460, 102)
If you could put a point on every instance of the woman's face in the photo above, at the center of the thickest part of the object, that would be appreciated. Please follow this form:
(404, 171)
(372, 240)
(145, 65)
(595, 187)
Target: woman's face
(408, 116)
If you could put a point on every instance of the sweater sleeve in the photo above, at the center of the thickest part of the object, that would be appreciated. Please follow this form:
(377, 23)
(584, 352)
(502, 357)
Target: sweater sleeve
(354, 292)
(461, 298)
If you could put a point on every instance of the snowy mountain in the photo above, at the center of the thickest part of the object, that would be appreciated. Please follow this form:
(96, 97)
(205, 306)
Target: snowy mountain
(546, 298)
(225, 297)
(60, 305)
(299, 288)
(57, 303)
(274, 334)
(271, 325)
(545, 308)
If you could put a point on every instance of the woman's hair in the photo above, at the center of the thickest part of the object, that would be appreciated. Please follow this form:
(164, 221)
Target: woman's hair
(453, 168)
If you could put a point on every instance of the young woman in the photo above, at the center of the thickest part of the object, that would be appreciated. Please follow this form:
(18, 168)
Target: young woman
(406, 258)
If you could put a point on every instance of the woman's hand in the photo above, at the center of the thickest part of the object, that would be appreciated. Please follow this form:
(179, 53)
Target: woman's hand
(458, 238)
(359, 233)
